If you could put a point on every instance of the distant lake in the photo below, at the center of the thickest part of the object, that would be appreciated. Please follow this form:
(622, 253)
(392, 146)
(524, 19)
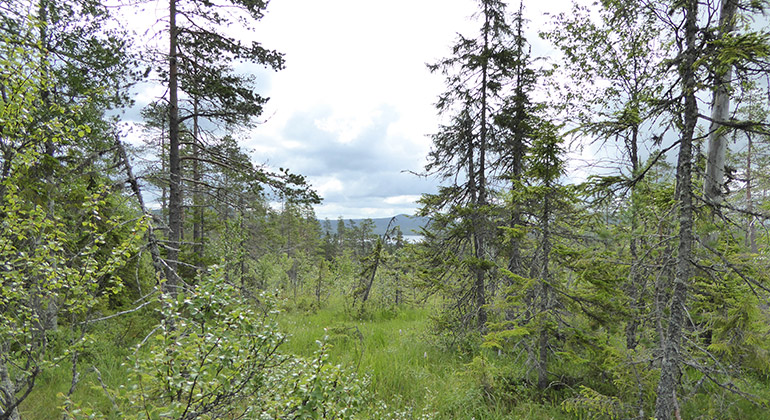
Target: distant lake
(414, 238)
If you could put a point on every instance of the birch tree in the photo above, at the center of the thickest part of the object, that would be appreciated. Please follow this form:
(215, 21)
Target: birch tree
(61, 258)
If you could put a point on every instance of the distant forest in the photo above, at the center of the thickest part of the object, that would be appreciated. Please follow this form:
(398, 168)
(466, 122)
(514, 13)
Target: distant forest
(408, 225)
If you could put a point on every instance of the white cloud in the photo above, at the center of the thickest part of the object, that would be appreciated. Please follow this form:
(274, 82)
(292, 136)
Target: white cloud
(402, 199)
(329, 186)
(353, 108)
(345, 128)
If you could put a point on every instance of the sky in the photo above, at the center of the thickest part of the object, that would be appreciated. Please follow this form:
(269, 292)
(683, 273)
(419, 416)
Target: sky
(354, 108)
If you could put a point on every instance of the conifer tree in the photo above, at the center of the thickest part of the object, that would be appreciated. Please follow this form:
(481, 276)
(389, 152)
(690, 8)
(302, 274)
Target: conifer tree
(657, 105)
(477, 76)
(747, 51)
(546, 167)
(516, 122)
(200, 34)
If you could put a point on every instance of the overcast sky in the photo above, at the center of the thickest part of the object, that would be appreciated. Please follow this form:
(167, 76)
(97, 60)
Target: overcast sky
(353, 110)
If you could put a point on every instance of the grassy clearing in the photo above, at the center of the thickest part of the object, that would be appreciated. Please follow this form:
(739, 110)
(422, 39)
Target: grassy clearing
(406, 367)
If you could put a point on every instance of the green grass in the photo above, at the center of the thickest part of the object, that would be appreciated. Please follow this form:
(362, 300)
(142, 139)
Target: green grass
(406, 367)
(111, 344)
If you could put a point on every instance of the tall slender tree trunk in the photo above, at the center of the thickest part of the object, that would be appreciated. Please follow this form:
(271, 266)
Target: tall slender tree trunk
(517, 168)
(478, 244)
(152, 240)
(225, 200)
(174, 161)
(242, 243)
(720, 112)
(45, 94)
(515, 263)
(543, 342)
(636, 286)
(319, 283)
(752, 229)
(163, 168)
(375, 265)
(475, 237)
(666, 405)
(197, 202)
(480, 225)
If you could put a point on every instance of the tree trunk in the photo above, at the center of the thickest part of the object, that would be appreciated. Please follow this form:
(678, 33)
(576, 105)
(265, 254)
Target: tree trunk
(174, 162)
(517, 147)
(152, 240)
(373, 274)
(8, 402)
(720, 112)
(480, 225)
(319, 282)
(666, 405)
(636, 282)
(752, 229)
(45, 94)
(197, 202)
(542, 366)
(242, 243)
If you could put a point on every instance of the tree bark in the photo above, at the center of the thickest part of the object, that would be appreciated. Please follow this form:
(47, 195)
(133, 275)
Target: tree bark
(666, 404)
(157, 262)
(197, 202)
(720, 112)
(752, 229)
(174, 162)
(542, 366)
(8, 402)
(373, 274)
(242, 243)
(636, 286)
(480, 225)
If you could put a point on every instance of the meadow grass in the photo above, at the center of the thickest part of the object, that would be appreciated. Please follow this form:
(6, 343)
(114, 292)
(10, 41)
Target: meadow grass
(408, 370)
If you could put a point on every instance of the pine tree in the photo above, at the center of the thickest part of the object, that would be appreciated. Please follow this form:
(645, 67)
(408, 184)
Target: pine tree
(200, 34)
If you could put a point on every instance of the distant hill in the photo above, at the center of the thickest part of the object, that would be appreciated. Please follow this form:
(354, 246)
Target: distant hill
(410, 225)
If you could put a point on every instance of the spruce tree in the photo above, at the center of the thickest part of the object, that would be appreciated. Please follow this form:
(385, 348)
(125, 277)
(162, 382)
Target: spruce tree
(622, 49)
(477, 76)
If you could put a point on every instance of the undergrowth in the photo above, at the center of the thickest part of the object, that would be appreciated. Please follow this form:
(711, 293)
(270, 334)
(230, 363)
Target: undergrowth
(411, 373)
(408, 370)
